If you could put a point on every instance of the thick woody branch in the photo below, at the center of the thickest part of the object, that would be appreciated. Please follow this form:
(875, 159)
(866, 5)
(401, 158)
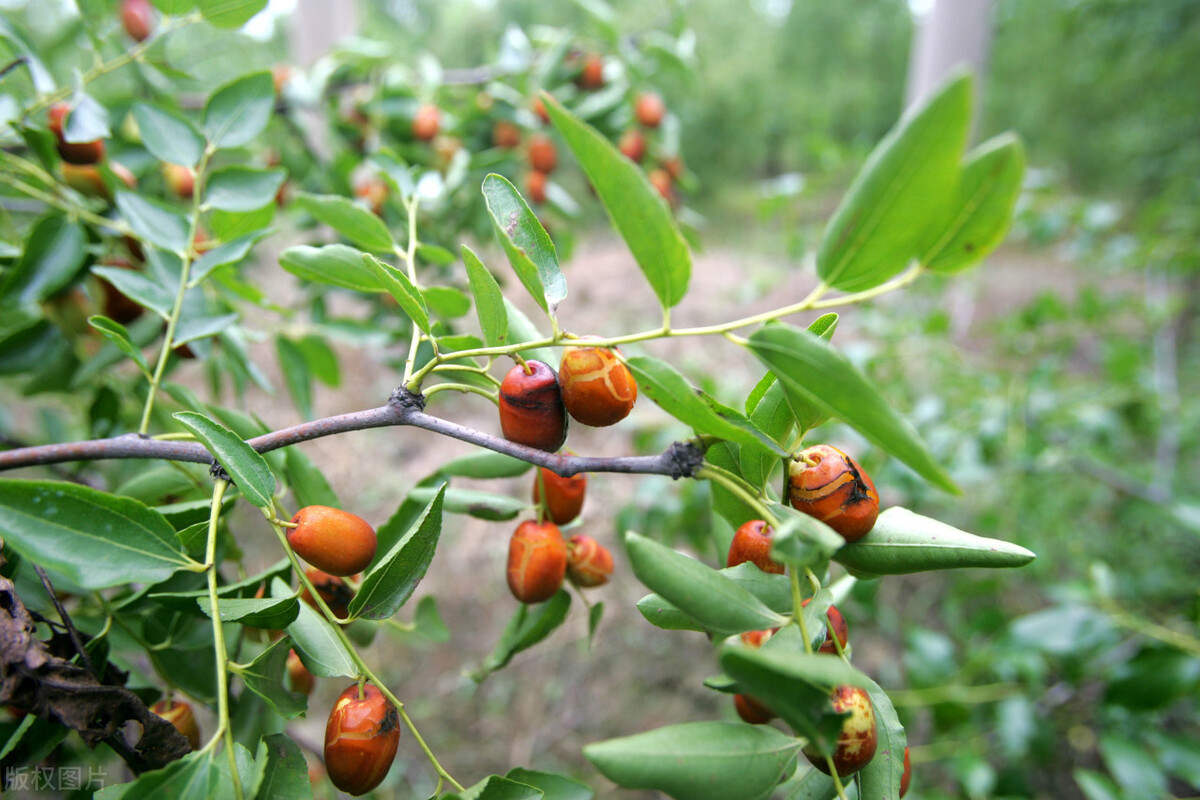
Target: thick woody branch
(680, 460)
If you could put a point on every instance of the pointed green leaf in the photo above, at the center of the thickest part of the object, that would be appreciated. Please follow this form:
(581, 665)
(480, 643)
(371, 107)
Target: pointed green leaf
(880, 778)
(775, 592)
(520, 329)
(118, 334)
(904, 188)
(239, 111)
(308, 482)
(555, 787)
(772, 415)
(982, 210)
(194, 328)
(285, 772)
(245, 466)
(489, 302)
(319, 647)
(354, 222)
(699, 760)
(902, 542)
(241, 188)
(715, 601)
(138, 287)
(812, 784)
(637, 211)
(481, 505)
(168, 135)
(95, 539)
(806, 413)
(193, 777)
(230, 13)
(394, 577)
(528, 626)
(54, 253)
(269, 613)
(153, 222)
(485, 464)
(495, 787)
(810, 368)
(264, 677)
(295, 375)
(529, 248)
(398, 285)
(228, 253)
(333, 264)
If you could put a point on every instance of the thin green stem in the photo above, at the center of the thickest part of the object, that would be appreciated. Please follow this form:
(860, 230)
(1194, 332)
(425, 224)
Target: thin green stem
(744, 491)
(1125, 619)
(63, 205)
(798, 609)
(461, 387)
(177, 309)
(837, 780)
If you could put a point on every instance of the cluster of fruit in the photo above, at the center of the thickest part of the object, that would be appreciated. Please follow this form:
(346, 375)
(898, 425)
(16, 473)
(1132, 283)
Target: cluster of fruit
(827, 484)
(596, 388)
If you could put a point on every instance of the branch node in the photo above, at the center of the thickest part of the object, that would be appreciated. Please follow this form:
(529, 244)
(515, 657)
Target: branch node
(218, 472)
(685, 458)
(403, 401)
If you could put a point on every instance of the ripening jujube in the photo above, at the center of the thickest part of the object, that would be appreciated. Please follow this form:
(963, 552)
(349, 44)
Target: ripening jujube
(332, 540)
(537, 561)
(564, 496)
(825, 483)
(597, 388)
(180, 715)
(835, 626)
(332, 589)
(531, 407)
(752, 542)
(361, 738)
(589, 563)
(426, 122)
(858, 738)
(72, 152)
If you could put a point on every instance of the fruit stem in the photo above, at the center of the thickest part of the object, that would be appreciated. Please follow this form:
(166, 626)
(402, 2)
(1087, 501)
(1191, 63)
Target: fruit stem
(461, 387)
(736, 485)
(224, 730)
(798, 609)
(837, 780)
(410, 257)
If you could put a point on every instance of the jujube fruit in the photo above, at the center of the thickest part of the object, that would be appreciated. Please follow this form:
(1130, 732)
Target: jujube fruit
(632, 145)
(649, 109)
(589, 563)
(752, 543)
(180, 715)
(543, 155)
(85, 179)
(660, 179)
(535, 186)
(301, 679)
(537, 561)
(859, 737)
(138, 18)
(361, 738)
(591, 75)
(332, 589)
(835, 626)
(751, 711)
(597, 388)
(531, 407)
(505, 134)
(374, 191)
(332, 540)
(906, 778)
(116, 305)
(72, 152)
(426, 122)
(825, 483)
(564, 496)
(539, 108)
(180, 180)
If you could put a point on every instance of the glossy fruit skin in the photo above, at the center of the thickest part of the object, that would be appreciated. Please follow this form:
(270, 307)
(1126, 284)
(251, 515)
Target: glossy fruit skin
(361, 738)
(535, 186)
(597, 388)
(543, 155)
(906, 778)
(426, 122)
(301, 679)
(564, 496)
(138, 19)
(505, 134)
(531, 407)
(751, 711)
(835, 625)
(752, 543)
(72, 152)
(757, 639)
(835, 490)
(180, 180)
(633, 145)
(537, 561)
(589, 563)
(181, 716)
(591, 76)
(332, 589)
(649, 109)
(859, 737)
(332, 540)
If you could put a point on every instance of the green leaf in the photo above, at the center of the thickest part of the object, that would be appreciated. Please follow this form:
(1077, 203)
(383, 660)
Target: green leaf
(245, 466)
(223, 255)
(555, 787)
(529, 248)
(637, 211)
(482, 505)
(800, 540)
(484, 464)
(880, 778)
(398, 285)
(95, 539)
(240, 188)
(272, 614)
(231, 13)
(772, 415)
(811, 369)
(394, 577)
(446, 301)
(295, 375)
(319, 647)
(775, 592)
(495, 787)
(139, 287)
(285, 772)
(117, 333)
(239, 111)
(811, 785)
(55, 250)
(663, 384)
(229, 225)
(904, 188)
(190, 330)
(806, 413)
(153, 222)
(352, 221)
(699, 760)
(520, 329)
(982, 210)
(902, 542)
(528, 626)
(333, 264)
(308, 482)
(193, 777)
(489, 302)
(174, 6)
(731, 507)
(712, 599)
(168, 135)
(428, 621)
(264, 677)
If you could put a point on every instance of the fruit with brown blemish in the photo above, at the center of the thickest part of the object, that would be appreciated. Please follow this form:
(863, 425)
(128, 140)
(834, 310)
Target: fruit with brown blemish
(426, 122)
(589, 563)
(564, 496)
(537, 561)
(858, 738)
(542, 154)
(531, 407)
(835, 626)
(597, 388)
(72, 152)
(649, 109)
(180, 714)
(332, 589)
(752, 543)
(361, 738)
(332, 540)
(825, 483)
(632, 145)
